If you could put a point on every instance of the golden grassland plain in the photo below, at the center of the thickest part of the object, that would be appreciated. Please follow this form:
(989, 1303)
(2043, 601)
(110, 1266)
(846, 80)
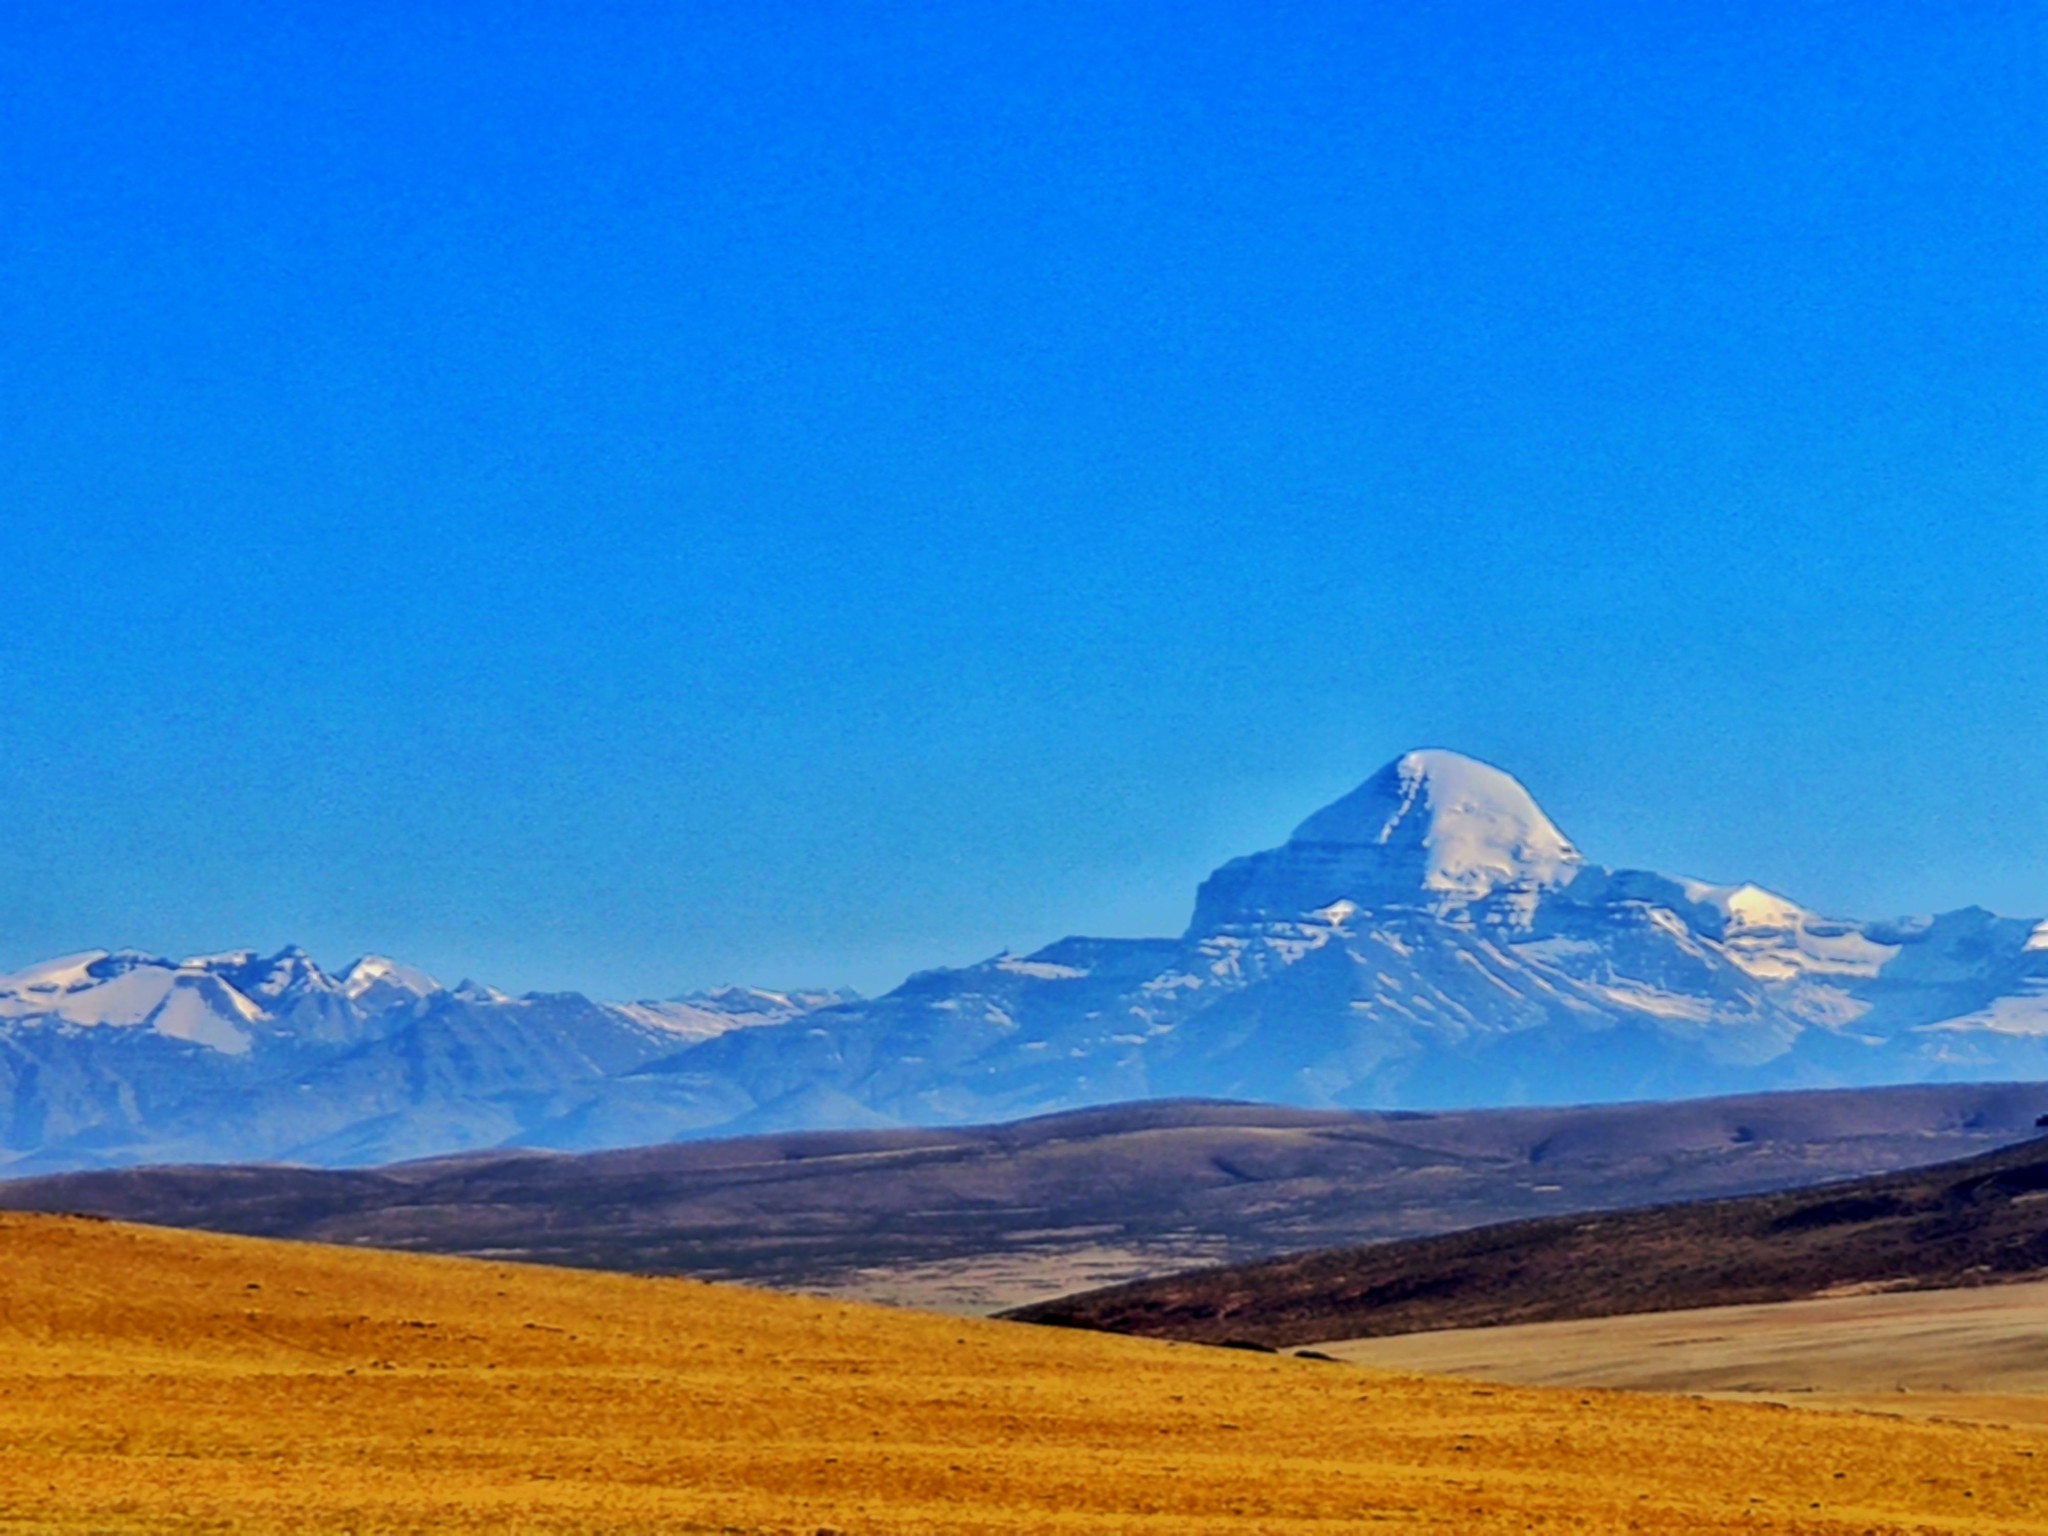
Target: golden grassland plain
(1976, 1353)
(175, 1382)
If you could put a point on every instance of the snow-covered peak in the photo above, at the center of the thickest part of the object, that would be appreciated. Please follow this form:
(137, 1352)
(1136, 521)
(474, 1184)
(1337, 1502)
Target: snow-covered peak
(1460, 827)
(270, 979)
(52, 978)
(376, 973)
(1433, 830)
(127, 989)
(224, 1000)
(1748, 906)
(1774, 938)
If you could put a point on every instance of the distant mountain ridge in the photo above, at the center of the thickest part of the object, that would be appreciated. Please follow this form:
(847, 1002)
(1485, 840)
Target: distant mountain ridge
(1430, 940)
(112, 1057)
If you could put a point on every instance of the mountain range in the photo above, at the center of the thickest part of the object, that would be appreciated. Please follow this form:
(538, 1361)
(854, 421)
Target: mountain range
(1430, 940)
(123, 1057)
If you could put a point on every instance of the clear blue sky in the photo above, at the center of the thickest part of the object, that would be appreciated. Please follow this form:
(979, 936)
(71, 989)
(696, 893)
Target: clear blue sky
(625, 497)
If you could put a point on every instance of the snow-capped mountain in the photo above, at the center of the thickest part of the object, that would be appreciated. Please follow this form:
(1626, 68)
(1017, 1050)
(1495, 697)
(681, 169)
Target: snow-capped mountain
(1431, 939)
(112, 1057)
(1432, 829)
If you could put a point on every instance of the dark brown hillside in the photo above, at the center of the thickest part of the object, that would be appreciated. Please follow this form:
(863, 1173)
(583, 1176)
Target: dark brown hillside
(990, 1216)
(1979, 1221)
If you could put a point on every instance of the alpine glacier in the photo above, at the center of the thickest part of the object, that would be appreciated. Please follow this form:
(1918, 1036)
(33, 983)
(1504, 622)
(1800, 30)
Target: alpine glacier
(1430, 940)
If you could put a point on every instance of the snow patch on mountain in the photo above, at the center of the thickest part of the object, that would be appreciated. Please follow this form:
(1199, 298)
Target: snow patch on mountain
(204, 1010)
(1044, 970)
(705, 1015)
(2023, 1013)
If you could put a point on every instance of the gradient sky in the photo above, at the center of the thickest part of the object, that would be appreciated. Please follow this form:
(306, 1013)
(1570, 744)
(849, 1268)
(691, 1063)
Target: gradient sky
(629, 497)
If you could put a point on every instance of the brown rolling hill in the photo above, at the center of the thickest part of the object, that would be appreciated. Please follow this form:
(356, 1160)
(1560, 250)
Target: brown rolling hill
(1978, 1221)
(154, 1381)
(980, 1218)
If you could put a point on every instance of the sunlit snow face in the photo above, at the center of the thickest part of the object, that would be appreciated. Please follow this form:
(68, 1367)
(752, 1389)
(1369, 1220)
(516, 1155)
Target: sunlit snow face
(1459, 827)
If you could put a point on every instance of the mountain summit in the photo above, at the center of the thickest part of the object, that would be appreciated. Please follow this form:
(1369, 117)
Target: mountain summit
(1432, 828)
(1463, 826)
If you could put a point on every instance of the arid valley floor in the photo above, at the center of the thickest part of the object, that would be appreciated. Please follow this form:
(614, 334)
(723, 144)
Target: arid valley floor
(167, 1381)
(1979, 1353)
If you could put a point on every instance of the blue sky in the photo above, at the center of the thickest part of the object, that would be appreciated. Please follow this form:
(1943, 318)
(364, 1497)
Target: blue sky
(628, 497)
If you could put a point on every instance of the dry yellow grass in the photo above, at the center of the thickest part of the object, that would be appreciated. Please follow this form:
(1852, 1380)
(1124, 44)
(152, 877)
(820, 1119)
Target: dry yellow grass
(1980, 1353)
(172, 1382)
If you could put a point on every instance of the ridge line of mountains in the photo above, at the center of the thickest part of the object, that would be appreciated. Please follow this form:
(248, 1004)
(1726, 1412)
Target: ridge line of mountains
(1431, 940)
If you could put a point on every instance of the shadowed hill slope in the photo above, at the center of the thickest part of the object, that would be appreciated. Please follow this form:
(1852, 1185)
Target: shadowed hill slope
(984, 1217)
(1978, 1221)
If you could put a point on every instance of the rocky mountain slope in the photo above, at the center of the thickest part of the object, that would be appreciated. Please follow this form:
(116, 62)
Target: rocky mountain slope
(1430, 940)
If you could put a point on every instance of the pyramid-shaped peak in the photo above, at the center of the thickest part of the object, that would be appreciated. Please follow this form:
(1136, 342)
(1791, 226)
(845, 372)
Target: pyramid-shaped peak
(1462, 827)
